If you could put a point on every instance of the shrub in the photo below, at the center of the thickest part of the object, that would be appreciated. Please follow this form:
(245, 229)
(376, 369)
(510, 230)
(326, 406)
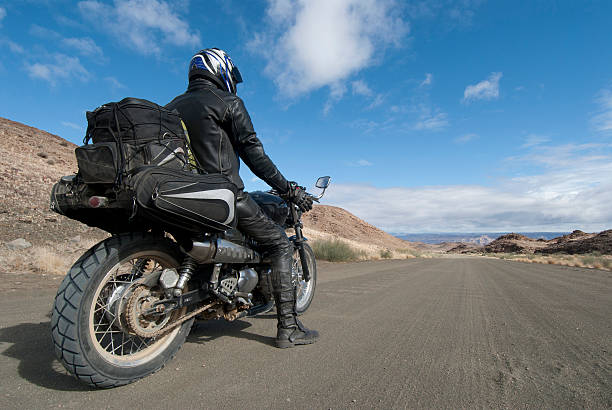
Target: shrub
(385, 254)
(589, 259)
(410, 253)
(42, 154)
(48, 261)
(335, 250)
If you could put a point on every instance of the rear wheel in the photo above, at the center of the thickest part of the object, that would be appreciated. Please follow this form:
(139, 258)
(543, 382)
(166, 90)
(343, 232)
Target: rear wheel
(305, 290)
(98, 328)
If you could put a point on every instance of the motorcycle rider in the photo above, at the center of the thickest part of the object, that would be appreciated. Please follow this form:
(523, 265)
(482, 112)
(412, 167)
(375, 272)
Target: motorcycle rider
(221, 132)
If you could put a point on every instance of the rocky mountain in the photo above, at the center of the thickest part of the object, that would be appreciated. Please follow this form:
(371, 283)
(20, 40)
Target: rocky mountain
(577, 242)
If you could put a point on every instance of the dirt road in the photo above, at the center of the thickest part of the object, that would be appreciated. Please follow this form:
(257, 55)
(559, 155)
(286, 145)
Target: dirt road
(462, 332)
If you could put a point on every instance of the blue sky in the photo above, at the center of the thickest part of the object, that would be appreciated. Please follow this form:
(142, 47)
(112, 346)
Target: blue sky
(431, 116)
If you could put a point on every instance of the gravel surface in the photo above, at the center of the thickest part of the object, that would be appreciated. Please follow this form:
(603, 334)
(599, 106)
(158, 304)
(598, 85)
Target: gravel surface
(452, 333)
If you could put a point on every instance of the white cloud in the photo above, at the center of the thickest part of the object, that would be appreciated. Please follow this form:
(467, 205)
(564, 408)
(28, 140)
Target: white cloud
(430, 119)
(85, 46)
(602, 121)
(58, 67)
(485, 90)
(454, 13)
(573, 192)
(142, 25)
(114, 82)
(43, 32)
(311, 44)
(336, 92)
(378, 100)
(359, 163)
(2, 14)
(564, 155)
(428, 80)
(14, 47)
(361, 88)
(465, 138)
(533, 140)
(72, 125)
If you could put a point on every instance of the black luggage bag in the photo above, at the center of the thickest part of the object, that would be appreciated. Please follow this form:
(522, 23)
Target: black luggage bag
(127, 135)
(186, 201)
(70, 197)
(154, 198)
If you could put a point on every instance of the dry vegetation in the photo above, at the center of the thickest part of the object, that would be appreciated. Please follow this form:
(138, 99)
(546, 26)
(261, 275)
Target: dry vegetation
(593, 260)
(53, 259)
(334, 249)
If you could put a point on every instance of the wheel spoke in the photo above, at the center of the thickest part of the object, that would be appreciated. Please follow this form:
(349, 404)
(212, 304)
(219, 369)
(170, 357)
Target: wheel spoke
(108, 330)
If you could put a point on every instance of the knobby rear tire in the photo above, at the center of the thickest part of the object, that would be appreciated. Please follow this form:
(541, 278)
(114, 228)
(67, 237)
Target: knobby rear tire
(70, 322)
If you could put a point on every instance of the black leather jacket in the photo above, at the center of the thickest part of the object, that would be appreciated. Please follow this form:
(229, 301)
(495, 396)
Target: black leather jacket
(221, 131)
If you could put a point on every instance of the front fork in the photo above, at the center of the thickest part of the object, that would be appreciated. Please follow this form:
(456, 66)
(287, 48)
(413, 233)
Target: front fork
(299, 243)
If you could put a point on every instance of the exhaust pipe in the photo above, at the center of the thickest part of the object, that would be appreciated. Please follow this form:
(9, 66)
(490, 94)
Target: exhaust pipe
(222, 251)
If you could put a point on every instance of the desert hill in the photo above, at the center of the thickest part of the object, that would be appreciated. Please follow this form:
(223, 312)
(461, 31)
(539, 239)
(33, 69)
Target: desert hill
(31, 161)
(331, 221)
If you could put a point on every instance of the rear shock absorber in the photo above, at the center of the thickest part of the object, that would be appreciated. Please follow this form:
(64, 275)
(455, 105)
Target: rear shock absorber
(185, 271)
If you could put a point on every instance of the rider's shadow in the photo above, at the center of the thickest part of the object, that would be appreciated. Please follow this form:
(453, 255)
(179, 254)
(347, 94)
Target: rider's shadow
(31, 344)
(209, 330)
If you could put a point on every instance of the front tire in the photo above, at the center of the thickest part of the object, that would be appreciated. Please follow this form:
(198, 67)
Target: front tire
(88, 337)
(304, 290)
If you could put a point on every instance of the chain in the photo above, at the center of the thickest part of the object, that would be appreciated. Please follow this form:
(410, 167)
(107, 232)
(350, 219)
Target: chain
(179, 321)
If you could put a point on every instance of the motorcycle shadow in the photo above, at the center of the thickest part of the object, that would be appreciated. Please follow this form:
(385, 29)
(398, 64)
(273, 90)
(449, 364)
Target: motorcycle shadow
(208, 330)
(31, 344)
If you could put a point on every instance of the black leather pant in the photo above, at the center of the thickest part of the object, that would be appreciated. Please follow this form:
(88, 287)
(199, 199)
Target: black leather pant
(272, 240)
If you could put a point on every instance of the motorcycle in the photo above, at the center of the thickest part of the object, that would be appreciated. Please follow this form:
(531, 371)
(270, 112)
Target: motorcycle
(127, 304)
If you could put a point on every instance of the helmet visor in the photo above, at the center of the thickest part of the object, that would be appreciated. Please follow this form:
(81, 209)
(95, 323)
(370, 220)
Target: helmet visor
(236, 75)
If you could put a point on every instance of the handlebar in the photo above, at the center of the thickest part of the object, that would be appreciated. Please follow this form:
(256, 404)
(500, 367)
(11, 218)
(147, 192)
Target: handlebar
(315, 198)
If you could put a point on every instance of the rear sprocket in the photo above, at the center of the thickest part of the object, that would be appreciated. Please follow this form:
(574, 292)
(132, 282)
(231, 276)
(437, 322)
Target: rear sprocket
(149, 326)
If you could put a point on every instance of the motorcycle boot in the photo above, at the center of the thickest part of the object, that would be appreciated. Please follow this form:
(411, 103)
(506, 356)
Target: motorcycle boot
(291, 332)
(273, 240)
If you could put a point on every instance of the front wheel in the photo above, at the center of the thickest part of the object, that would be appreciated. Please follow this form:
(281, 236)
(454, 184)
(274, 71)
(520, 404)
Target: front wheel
(304, 290)
(96, 335)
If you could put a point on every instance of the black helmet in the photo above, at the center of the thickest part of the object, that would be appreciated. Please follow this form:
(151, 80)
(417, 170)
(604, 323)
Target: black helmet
(216, 65)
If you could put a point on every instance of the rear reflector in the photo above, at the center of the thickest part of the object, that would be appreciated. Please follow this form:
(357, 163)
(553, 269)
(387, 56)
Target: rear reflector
(98, 201)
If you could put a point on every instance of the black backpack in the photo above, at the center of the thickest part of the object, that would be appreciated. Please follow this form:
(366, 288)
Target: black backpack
(128, 135)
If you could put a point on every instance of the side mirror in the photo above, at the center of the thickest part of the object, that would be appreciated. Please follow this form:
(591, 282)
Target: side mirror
(323, 182)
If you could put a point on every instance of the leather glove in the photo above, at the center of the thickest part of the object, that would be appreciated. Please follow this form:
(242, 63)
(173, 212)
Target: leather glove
(298, 195)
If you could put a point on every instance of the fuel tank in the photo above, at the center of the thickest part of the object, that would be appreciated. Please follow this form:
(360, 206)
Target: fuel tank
(272, 205)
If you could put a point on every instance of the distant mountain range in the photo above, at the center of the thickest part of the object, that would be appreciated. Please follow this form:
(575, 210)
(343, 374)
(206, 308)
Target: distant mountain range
(481, 238)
